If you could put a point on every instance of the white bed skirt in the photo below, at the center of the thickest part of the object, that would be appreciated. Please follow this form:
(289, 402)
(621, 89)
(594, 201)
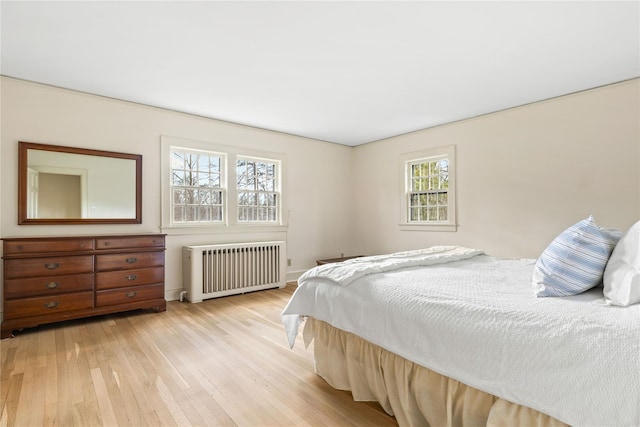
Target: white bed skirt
(415, 395)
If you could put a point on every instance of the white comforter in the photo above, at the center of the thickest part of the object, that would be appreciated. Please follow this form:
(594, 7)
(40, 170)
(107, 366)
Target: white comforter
(478, 321)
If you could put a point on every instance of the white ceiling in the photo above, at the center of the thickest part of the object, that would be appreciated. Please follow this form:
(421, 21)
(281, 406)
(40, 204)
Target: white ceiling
(348, 72)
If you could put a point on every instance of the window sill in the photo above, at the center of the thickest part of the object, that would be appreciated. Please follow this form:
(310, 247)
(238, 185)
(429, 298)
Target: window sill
(428, 227)
(223, 229)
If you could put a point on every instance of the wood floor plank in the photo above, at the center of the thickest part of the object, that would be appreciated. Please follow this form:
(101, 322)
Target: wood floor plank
(222, 362)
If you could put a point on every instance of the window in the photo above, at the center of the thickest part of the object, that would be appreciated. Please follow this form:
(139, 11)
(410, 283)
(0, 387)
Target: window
(197, 194)
(257, 187)
(428, 200)
(429, 182)
(224, 187)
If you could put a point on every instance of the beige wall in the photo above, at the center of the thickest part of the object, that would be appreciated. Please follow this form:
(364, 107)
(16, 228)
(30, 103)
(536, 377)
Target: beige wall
(318, 172)
(524, 174)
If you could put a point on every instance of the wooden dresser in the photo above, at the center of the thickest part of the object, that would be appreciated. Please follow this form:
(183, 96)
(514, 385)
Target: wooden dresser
(51, 279)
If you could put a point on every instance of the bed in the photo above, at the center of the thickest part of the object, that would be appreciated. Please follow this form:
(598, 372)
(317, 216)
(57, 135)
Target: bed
(452, 336)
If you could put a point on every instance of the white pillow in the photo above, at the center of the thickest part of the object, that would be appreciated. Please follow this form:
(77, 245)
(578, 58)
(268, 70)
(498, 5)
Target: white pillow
(622, 274)
(575, 260)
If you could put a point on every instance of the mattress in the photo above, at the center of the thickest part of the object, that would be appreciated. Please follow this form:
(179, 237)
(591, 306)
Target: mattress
(477, 320)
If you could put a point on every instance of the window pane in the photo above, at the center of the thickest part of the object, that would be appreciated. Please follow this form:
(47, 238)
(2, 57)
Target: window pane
(203, 179)
(177, 160)
(190, 213)
(434, 183)
(179, 196)
(216, 213)
(205, 197)
(216, 198)
(432, 214)
(178, 214)
(433, 168)
(190, 161)
(442, 213)
(177, 177)
(269, 185)
(191, 196)
(444, 181)
(204, 163)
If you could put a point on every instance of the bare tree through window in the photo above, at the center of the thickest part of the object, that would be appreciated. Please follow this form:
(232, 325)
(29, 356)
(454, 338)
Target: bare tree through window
(196, 187)
(257, 190)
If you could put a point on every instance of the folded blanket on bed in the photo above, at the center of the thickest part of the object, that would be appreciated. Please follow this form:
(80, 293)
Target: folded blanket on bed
(344, 273)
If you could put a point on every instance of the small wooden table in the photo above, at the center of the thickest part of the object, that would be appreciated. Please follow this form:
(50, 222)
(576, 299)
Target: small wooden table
(332, 260)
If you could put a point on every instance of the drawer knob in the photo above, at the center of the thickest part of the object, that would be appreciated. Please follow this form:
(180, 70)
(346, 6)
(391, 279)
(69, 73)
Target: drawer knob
(52, 285)
(131, 294)
(51, 304)
(52, 265)
(131, 260)
(132, 277)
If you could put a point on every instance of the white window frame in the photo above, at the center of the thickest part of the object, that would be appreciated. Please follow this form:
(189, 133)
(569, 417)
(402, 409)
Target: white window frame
(222, 188)
(276, 190)
(406, 160)
(230, 223)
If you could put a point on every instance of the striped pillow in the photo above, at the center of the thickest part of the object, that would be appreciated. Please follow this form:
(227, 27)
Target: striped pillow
(574, 262)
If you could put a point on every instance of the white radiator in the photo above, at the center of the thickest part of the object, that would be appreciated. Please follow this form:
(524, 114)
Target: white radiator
(211, 271)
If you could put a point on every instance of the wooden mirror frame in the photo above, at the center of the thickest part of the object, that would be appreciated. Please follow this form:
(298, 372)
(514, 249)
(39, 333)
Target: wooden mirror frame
(23, 148)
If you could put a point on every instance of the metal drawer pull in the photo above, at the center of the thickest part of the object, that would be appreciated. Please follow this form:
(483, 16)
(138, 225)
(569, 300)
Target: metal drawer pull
(52, 304)
(131, 294)
(132, 277)
(52, 285)
(131, 260)
(52, 265)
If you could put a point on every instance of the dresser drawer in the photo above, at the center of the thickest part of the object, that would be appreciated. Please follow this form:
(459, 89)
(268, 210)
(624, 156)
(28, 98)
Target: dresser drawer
(47, 305)
(128, 295)
(53, 266)
(23, 247)
(20, 288)
(129, 242)
(119, 279)
(129, 261)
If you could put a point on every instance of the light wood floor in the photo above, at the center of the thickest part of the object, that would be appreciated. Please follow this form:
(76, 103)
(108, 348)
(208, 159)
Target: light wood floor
(223, 362)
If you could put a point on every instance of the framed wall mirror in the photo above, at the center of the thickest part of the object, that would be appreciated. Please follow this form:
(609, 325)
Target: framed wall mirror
(67, 185)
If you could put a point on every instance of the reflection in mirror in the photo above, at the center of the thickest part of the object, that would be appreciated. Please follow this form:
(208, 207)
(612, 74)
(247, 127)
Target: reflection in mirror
(64, 185)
